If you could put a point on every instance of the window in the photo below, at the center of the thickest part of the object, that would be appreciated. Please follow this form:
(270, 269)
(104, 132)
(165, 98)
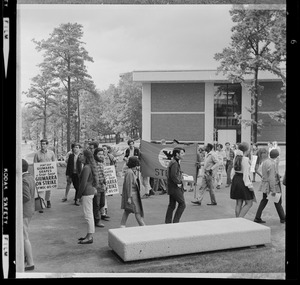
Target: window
(227, 102)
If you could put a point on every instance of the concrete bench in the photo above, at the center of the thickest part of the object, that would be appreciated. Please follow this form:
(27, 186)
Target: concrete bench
(136, 243)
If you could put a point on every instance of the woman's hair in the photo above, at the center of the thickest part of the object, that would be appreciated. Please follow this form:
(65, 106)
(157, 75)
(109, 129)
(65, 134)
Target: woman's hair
(133, 161)
(130, 141)
(91, 161)
(96, 152)
(243, 147)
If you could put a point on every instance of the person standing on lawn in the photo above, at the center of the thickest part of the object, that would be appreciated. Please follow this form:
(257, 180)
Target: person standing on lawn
(270, 185)
(45, 155)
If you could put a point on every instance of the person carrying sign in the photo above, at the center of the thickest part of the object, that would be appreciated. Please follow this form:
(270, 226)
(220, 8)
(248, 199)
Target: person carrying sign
(45, 155)
(175, 187)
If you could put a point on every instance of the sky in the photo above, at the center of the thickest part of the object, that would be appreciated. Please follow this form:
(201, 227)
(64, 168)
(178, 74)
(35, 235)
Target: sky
(126, 38)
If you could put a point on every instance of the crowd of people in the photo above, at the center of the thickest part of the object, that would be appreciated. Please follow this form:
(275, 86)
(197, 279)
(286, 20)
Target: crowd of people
(85, 170)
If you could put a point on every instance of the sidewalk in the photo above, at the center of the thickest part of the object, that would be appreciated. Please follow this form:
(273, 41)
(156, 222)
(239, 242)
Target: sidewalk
(54, 234)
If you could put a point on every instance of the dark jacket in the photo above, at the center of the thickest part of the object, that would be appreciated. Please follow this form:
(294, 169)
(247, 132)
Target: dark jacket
(86, 182)
(28, 195)
(70, 165)
(174, 177)
(136, 152)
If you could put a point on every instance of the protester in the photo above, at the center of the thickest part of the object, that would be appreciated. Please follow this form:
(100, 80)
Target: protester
(73, 170)
(254, 151)
(109, 159)
(45, 155)
(229, 162)
(211, 164)
(175, 187)
(28, 188)
(222, 159)
(99, 198)
(270, 185)
(241, 188)
(92, 146)
(87, 190)
(131, 192)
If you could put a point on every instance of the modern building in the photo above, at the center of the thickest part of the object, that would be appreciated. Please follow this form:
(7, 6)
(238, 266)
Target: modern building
(199, 106)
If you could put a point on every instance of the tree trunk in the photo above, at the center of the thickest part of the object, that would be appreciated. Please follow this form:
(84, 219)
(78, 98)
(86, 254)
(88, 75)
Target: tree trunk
(255, 104)
(78, 116)
(69, 111)
(45, 121)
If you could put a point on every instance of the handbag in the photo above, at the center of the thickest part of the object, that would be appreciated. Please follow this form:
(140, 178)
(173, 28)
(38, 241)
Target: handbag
(129, 207)
(39, 203)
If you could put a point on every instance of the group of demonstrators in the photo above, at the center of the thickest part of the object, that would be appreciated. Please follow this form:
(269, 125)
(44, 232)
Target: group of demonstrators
(85, 170)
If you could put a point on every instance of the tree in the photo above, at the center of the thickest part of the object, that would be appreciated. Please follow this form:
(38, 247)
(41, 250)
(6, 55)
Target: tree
(257, 44)
(43, 89)
(64, 59)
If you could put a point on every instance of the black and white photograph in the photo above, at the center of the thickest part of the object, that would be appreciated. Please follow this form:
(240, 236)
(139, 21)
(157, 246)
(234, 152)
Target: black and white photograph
(127, 114)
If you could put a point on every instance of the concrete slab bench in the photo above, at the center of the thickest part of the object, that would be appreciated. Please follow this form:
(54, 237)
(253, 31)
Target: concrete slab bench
(153, 241)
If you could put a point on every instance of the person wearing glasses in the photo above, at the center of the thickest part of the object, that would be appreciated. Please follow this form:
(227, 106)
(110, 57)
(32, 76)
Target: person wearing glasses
(45, 155)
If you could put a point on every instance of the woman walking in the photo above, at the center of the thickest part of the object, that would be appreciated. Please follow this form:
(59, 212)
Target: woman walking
(87, 190)
(241, 188)
(131, 193)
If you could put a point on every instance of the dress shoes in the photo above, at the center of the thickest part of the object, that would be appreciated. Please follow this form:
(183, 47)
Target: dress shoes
(48, 204)
(151, 192)
(197, 202)
(145, 196)
(260, 221)
(282, 221)
(76, 203)
(86, 241)
(105, 217)
(99, 225)
(211, 204)
(64, 199)
(163, 192)
(28, 268)
(82, 238)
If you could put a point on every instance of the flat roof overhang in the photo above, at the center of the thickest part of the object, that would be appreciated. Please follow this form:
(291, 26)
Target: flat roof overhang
(192, 76)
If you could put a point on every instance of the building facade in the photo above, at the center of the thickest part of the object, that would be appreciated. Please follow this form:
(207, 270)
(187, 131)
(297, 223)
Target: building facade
(199, 106)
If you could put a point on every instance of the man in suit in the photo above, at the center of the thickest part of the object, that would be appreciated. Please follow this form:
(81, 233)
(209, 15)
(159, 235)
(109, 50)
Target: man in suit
(211, 164)
(175, 187)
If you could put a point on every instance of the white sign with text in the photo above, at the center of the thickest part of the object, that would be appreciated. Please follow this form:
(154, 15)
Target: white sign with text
(45, 175)
(111, 180)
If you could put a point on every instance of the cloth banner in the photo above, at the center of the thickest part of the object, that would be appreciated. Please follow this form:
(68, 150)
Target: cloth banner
(45, 175)
(155, 158)
(111, 180)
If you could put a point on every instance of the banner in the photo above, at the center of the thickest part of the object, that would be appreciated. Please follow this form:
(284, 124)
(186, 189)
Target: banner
(45, 175)
(111, 180)
(155, 159)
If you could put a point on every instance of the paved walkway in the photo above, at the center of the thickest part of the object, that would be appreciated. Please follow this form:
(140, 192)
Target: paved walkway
(54, 235)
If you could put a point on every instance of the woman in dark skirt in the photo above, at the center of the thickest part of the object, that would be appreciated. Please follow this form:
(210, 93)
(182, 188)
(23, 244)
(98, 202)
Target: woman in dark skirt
(241, 187)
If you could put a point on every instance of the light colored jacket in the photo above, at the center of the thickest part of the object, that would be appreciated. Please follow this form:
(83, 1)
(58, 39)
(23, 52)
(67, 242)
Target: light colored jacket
(269, 181)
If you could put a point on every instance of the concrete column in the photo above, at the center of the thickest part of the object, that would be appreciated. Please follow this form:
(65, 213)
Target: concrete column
(209, 113)
(246, 115)
(146, 112)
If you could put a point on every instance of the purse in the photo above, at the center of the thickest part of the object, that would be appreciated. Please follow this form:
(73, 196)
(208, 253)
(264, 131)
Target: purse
(39, 203)
(129, 207)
